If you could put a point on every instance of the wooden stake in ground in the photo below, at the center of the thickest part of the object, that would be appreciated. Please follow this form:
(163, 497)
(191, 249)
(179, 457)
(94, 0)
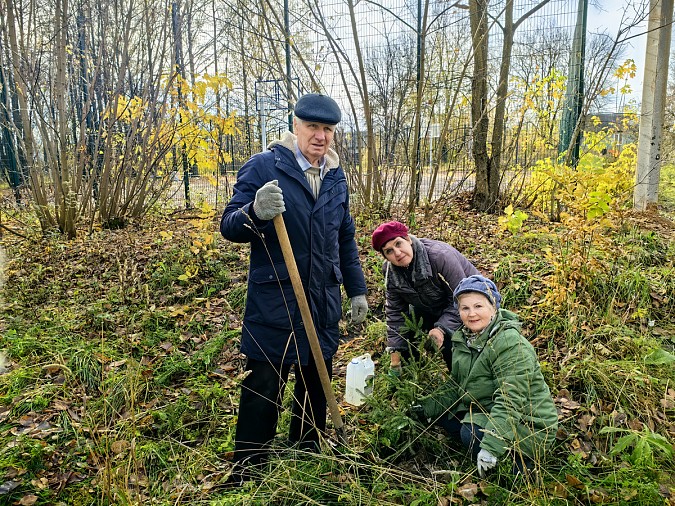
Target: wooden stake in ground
(313, 338)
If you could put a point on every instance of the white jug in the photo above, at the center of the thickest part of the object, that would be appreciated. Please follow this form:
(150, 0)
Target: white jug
(360, 376)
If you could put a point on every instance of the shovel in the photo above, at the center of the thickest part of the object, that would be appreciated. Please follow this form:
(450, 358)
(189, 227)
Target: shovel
(300, 296)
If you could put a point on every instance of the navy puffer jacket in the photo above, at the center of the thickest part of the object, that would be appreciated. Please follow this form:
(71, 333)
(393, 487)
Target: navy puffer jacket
(321, 232)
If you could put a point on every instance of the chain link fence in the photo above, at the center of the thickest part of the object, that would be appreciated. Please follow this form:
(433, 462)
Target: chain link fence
(370, 56)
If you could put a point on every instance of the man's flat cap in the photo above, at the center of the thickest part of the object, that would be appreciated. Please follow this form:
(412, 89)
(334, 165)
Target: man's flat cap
(318, 108)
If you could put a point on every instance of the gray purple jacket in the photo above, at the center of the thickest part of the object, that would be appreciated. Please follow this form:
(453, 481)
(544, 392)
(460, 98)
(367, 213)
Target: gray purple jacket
(427, 285)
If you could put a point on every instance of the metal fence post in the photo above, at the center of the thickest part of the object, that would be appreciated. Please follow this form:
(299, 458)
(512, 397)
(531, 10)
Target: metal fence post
(574, 95)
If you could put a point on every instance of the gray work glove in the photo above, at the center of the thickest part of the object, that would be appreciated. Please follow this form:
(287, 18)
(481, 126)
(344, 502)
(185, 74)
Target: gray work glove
(268, 201)
(485, 462)
(359, 308)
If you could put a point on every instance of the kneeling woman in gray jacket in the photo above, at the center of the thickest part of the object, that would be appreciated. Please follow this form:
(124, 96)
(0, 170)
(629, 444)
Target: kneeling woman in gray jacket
(496, 402)
(419, 277)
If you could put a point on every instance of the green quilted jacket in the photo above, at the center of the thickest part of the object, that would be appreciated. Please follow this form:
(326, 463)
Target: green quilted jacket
(496, 383)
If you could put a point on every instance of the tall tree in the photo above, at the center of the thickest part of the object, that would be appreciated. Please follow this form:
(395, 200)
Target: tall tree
(487, 180)
(486, 193)
(422, 18)
(23, 121)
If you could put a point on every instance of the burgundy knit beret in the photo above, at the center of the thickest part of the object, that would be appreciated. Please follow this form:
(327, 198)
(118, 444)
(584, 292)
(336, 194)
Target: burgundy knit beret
(386, 232)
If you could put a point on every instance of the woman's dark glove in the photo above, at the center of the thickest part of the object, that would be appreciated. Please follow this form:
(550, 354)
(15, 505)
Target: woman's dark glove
(416, 412)
(394, 371)
(429, 345)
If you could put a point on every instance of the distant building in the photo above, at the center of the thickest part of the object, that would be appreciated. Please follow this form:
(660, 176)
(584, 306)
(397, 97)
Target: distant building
(624, 128)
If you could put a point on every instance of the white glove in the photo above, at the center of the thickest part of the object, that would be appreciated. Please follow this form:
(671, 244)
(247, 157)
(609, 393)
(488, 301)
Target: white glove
(269, 201)
(359, 308)
(485, 462)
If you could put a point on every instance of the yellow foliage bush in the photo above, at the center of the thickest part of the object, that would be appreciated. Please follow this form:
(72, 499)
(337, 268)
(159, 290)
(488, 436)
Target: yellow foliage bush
(196, 123)
(587, 200)
(590, 190)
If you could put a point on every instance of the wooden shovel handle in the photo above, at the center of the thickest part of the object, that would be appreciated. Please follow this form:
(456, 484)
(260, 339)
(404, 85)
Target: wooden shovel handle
(313, 338)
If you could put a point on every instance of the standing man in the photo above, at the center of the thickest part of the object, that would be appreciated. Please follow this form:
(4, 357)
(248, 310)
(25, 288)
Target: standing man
(299, 176)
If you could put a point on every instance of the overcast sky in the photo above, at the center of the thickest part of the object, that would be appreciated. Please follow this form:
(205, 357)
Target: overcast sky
(609, 16)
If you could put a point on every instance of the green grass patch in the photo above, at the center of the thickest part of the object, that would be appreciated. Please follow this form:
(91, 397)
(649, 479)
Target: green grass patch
(124, 373)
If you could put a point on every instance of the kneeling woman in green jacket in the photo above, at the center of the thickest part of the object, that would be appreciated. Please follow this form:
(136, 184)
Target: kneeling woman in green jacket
(496, 402)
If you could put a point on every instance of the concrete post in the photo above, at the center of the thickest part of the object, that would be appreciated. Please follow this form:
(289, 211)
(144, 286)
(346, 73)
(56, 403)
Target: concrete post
(648, 169)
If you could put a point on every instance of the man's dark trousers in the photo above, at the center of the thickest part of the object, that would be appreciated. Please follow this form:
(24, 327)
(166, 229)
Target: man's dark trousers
(261, 402)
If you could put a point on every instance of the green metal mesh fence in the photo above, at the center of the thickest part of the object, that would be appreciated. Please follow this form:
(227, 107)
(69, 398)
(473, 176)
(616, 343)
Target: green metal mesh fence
(324, 35)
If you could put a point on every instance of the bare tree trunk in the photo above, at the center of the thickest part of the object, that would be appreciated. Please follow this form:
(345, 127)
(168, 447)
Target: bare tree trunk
(20, 83)
(478, 14)
(179, 70)
(66, 200)
(494, 167)
(488, 166)
(416, 166)
(22, 123)
(244, 74)
(371, 165)
(219, 138)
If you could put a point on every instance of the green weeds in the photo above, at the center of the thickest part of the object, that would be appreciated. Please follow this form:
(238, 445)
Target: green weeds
(125, 372)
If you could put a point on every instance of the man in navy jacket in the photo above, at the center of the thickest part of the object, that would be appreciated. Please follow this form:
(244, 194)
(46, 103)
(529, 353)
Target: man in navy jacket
(299, 176)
